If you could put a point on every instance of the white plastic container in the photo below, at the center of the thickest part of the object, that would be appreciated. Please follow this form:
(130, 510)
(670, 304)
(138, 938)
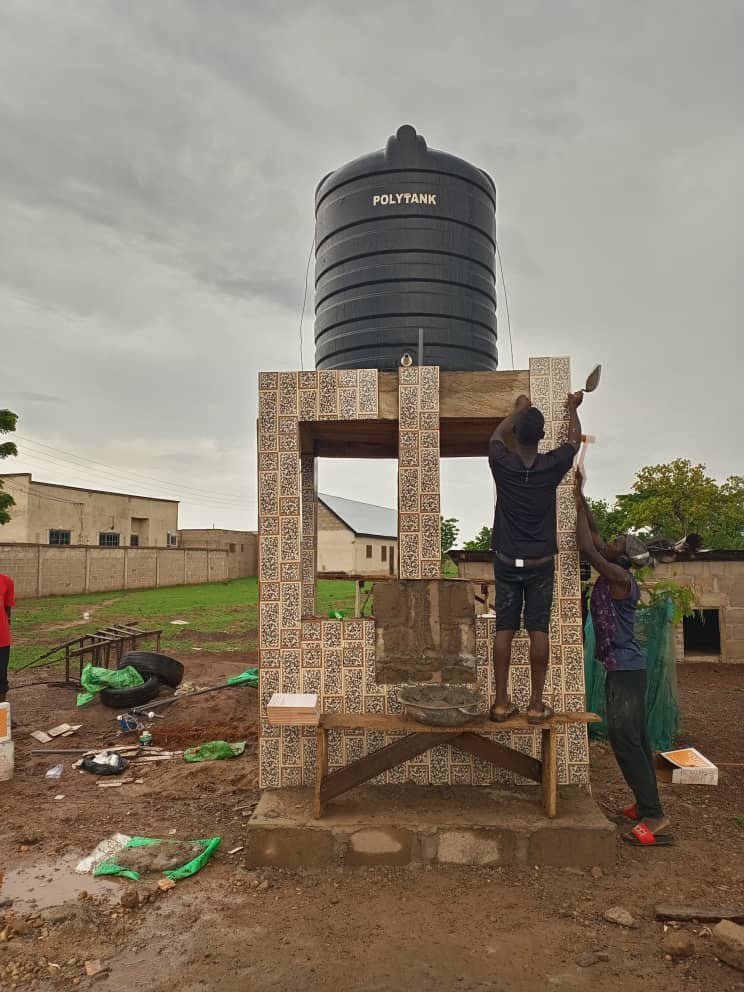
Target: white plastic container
(7, 760)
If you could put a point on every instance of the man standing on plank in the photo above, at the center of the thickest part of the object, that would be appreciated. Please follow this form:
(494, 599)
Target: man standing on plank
(613, 606)
(7, 601)
(524, 543)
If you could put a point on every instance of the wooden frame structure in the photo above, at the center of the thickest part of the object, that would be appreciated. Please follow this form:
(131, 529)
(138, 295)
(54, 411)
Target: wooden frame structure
(417, 415)
(102, 646)
(469, 738)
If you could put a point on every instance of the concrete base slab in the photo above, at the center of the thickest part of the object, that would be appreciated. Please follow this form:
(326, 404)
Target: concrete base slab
(449, 825)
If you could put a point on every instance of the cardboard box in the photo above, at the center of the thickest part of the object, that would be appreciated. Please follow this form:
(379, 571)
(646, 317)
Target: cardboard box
(4, 721)
(686, 766)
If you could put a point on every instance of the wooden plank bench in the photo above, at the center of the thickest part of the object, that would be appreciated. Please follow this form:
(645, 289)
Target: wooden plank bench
(468, 737)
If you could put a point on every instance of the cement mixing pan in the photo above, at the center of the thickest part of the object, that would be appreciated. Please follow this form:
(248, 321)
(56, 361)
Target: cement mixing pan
(439, 705)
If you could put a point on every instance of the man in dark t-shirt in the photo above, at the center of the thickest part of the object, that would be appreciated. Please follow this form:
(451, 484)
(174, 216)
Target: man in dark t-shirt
(524, 543)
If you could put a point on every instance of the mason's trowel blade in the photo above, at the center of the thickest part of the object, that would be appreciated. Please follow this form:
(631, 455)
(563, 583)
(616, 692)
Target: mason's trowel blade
(592, 380)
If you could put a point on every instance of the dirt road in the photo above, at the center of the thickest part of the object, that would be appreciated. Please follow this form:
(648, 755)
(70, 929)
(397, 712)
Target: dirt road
(375, 930)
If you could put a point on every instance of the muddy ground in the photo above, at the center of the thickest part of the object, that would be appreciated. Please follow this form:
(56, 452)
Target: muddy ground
(376, 930)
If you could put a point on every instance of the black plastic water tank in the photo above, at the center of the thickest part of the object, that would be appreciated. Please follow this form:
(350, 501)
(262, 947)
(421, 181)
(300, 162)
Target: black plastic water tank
(405, 238)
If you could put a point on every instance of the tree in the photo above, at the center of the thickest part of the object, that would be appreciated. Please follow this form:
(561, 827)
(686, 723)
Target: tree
(481, 541)
(728, 529)
(450, 528)
(8, 423)
(680, 498)
(677, 499)
(610, 520)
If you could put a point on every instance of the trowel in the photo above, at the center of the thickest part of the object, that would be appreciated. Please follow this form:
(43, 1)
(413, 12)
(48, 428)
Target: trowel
(592, 380)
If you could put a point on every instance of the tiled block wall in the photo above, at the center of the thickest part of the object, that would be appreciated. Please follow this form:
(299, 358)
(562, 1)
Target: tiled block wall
(299, 652)
(309, 533)
(420, 555)
(550, 382)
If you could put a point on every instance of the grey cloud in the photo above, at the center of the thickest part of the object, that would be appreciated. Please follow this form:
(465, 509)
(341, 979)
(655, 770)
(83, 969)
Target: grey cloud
(157, 170)
(286, 293)
(30, 397)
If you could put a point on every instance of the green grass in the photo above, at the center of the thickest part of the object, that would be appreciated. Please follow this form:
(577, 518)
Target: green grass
(739, 820)
(222, 616)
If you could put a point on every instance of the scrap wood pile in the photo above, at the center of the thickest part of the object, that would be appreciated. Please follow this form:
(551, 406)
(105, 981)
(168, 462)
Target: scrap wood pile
(100, 647)
(130, 688)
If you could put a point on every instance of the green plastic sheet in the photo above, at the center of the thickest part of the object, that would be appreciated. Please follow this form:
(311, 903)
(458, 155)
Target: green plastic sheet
(336, 615)
(214, 751)
(196, 864)
(94, 679)
(655, 632)
(248, 677)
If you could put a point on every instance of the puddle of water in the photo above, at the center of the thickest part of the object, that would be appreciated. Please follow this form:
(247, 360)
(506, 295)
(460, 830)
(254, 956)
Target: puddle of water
(51, 883)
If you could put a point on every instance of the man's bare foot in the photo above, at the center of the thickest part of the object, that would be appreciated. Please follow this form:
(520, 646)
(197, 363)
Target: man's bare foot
(499, 713)
(539, 712)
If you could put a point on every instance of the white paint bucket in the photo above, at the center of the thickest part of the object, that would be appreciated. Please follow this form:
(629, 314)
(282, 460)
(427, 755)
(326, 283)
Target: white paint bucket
(7, 760)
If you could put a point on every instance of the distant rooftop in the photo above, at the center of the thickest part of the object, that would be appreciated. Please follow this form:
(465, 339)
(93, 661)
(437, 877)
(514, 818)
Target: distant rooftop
(363, 518)
(82, 489)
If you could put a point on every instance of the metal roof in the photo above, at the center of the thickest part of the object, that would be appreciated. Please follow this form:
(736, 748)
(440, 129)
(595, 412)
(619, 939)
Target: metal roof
(363, 518)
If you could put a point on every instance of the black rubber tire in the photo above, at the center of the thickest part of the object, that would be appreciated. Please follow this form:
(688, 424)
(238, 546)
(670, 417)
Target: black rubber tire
(168, 670)
(123, 699)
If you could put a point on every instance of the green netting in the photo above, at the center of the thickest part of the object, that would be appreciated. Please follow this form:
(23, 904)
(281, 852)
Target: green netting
(655, 632)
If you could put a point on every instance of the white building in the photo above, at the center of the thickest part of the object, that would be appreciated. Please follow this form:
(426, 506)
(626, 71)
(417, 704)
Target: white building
(356, 538)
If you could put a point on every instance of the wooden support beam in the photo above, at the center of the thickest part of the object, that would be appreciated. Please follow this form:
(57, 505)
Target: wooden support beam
(482, 395)
(471, 404)
(479, 725)
(373, 764)
(485, 395)
(349, 438)
(468, 738)
(321, 771)
(550, 772)
(498, 754)
(387, 395)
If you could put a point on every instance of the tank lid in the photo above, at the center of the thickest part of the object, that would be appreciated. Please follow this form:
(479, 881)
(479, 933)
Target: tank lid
(406, 151)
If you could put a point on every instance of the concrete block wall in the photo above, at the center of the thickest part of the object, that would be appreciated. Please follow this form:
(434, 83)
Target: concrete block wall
(21, 563)
(38, 570)
(142, 569)
(241, 546)
(718, 584)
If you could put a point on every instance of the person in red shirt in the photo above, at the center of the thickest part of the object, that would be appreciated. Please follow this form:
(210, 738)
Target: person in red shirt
(7, 600)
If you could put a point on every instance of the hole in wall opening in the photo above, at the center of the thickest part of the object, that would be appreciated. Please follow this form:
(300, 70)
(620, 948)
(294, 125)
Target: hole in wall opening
(467, 497)
(702, 634)
(357, 531)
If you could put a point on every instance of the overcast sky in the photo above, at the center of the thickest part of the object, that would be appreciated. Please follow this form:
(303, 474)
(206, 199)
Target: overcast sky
(157, 169)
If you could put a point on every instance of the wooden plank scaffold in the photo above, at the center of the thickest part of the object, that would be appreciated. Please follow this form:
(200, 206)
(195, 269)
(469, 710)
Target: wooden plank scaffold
(468, 737)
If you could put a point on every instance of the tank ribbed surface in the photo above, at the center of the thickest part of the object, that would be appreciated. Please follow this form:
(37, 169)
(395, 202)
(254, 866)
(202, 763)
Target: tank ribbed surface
(405, 238)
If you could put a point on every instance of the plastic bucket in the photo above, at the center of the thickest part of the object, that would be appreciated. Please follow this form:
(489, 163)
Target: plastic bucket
(7, 760)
